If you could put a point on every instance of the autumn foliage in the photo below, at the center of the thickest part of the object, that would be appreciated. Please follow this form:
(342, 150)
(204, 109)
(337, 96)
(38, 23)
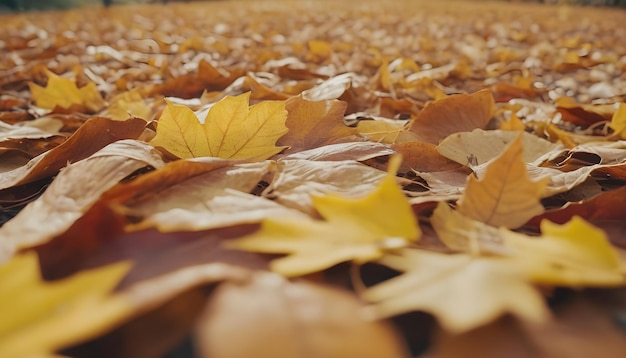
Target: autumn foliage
(291, 179)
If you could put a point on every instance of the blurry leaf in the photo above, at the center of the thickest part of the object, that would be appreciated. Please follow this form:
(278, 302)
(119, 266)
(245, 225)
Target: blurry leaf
(574, 254)
(320, 50)
(92, 136)
(423, 157)
(128, 104)
(462, 291)
(74, 190)
(618, 121)
(380, 131)
(583, 114)
(40, 317)
(504, 196)
(231, 130)
(62, 92)
(456, 113)
(352, 229)
(461, 233)
(330, 322)
(313, 124)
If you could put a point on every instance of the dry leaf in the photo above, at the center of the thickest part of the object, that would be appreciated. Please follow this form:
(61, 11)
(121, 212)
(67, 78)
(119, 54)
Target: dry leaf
(73, 191)
(503, 196)
(618, 121)
(233, 326)
(36, 315)
(462, 291)
(128, 104)
(352, 229)
(573, 254)
(456, 113)
(313, 124)
(62, 92)
(230, 130)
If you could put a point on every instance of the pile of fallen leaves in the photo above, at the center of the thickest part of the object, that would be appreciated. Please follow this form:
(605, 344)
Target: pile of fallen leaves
(319, 179)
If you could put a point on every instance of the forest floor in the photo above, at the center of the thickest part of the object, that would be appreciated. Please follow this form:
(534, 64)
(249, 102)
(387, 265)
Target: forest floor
(313, 179)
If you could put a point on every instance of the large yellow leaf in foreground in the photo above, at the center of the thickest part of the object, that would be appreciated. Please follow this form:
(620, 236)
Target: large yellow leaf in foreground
(39, 317)
(64, 93)
(231, 130)
(504, 196)
(353, 229)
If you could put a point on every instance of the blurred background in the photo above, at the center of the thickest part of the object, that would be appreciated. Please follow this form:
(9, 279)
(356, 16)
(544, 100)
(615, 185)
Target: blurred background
(35, 5)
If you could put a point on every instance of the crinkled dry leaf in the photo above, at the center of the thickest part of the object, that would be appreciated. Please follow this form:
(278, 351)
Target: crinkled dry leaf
(352, 229)
(618, 121)
(256, 318)
(504, 195)
(231, 130)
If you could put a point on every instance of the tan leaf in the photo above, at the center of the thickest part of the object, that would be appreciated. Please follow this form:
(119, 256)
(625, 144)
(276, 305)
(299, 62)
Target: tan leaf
(456, 113)
(504, 196)
(313, 124)
(234, 326)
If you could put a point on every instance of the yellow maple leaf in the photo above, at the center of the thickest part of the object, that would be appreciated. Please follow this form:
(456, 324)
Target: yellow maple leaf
(231, 130)
(63, 92)
(618, 121)
(573, 254)
(40, 317)
(504, 196)
(462, 291)
(352, 229)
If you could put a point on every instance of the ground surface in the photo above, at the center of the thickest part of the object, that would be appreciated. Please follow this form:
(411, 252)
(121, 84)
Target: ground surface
(504, 115)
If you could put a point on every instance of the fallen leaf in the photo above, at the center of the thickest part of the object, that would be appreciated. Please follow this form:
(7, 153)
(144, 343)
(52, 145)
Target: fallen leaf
(230, 130)
(73, 191)
(128, 104)
(313, 124)
(434, 282)
(456, 113)
(423, 157)
(574, 254)
(36, 314)
(63, 92)
(352, 229)
(233, 326)
(618, 121)
(504, 195)
(359, 151)
(80, 145)
(485, 145)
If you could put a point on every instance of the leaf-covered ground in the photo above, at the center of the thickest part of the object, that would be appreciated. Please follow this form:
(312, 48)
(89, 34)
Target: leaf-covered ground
(313, 179)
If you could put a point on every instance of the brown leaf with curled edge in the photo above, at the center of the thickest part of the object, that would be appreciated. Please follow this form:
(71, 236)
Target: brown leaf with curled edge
(207, 78)
(313, 124)
(92, 136)
(256, 318)
(583, 114)
(456, 113)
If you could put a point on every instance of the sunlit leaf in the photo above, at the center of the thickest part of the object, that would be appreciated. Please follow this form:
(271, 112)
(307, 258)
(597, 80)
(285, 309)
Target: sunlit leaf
(64, 93)
(231, 130)
(352, 229)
